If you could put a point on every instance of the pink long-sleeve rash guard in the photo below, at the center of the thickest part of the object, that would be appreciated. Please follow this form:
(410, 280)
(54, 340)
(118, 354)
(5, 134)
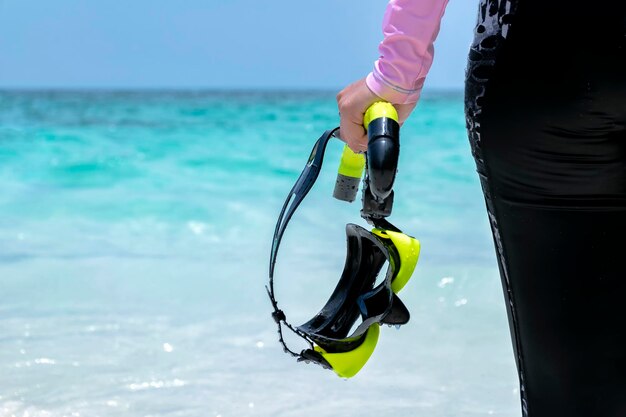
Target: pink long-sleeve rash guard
(406, 52)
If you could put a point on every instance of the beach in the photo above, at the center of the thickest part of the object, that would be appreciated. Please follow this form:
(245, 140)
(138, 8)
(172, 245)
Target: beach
(135, 232)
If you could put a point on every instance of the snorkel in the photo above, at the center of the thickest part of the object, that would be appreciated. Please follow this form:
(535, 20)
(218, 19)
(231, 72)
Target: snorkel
(332, 342)
(383, 149)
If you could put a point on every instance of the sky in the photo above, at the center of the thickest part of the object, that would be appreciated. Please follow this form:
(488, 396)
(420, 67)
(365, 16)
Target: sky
(214, 44)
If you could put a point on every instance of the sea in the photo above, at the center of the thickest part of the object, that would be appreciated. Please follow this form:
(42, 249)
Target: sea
(135, 232)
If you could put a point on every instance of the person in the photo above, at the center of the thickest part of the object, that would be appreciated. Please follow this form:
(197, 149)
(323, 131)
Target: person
(545, 103)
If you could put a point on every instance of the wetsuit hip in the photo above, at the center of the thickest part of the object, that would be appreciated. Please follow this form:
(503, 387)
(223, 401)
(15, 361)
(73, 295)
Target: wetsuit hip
(546, 117)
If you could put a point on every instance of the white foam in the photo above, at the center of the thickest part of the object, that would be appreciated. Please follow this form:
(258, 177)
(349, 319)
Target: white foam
(460, 302)
(156, 384)
(443, 282)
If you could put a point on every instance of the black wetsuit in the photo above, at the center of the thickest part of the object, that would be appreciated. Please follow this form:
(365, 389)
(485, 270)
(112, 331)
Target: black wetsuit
(546, 117)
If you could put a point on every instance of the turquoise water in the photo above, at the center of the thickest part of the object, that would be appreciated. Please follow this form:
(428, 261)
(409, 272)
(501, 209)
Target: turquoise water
(134, 234)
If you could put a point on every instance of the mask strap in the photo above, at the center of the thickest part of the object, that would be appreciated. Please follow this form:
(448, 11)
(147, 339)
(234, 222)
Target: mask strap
(301, 188)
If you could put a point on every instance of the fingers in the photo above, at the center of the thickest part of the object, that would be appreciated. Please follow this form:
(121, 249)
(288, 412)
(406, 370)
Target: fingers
(352, 102)
(354, 134)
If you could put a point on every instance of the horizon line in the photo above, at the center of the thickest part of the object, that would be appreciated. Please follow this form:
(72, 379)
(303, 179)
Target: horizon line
(199, 89)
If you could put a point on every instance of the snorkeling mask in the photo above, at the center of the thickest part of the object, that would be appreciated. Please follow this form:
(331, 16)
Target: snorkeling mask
(328, 334)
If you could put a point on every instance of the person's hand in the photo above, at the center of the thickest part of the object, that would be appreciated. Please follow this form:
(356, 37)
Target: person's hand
(353, 101)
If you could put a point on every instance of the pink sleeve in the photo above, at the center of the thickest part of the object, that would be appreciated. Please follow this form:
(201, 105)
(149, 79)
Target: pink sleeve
(406, 53)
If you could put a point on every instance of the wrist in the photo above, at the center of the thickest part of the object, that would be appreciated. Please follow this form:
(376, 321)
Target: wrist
(390, 92)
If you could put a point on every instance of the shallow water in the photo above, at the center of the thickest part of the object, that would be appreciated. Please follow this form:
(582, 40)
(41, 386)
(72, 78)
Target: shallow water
(134, 235)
